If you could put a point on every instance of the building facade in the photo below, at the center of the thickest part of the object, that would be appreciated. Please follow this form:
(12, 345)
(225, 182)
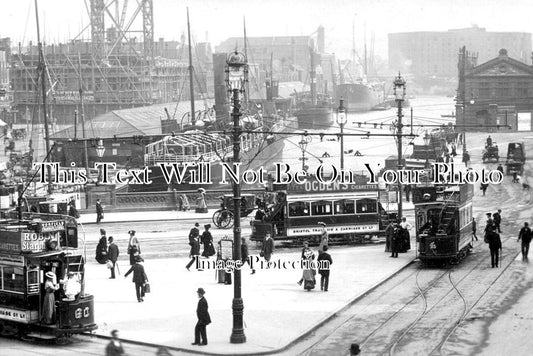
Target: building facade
(496, 93)
(430, 54)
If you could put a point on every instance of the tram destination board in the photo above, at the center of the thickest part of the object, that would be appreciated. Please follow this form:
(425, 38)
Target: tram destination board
(314, 186)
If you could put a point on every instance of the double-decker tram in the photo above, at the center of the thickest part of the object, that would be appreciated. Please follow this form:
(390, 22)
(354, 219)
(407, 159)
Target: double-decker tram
(443, 222)
(36, 252)
(351, 212)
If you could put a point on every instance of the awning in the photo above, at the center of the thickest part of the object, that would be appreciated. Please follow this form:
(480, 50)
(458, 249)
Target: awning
(45, 254)
(2, 123)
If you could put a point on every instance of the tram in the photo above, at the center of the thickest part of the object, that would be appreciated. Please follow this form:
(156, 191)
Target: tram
(443, 216)
(30, 248)
(351, 212)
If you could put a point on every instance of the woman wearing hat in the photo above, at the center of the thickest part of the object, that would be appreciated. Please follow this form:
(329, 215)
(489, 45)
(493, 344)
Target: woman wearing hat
(207, 241)
(202, 206)
(49, 307)
(324, 239)
(101, 248)
(134, 248)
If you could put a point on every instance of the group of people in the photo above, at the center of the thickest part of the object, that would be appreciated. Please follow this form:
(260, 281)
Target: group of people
(206, 239)
(492, 236)
(71, 288)
(107, 252)
(324, 260)
(398, 238)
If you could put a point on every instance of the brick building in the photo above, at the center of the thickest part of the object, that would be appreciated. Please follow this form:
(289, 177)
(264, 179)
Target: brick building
(497, 92)
(426, 54)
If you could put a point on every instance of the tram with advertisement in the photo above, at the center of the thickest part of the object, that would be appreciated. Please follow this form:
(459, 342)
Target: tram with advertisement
(31, 248)
(352, 212)
(443, 216)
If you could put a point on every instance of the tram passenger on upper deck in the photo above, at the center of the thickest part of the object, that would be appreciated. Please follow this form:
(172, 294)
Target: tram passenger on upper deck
(259, 214)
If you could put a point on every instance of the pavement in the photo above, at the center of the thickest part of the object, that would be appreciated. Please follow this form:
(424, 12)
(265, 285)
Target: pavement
(277, 311)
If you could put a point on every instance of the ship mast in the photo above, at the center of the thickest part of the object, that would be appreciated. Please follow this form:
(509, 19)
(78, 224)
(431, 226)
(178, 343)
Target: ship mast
(42, 69)
(366, 64)
(191, 72)
(312, 75)
(82, 115)
(354, 70)
(247, 91)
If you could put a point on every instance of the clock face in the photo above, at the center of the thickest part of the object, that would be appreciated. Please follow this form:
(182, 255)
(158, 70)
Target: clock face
(502, 68)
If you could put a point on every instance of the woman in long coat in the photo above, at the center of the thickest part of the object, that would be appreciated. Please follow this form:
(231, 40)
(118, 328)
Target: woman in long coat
(49, 304)
(309, 273)
(207, 241)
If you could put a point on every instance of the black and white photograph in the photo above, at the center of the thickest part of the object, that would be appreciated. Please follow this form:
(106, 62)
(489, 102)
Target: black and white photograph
(248, 177)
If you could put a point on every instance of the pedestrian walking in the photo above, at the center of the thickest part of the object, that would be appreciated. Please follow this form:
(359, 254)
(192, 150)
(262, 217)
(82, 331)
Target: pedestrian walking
(139, 278)
(112, 254)
(484, 187)
(525, 235)
(268, 247)
(307, 255)
(466, 158)
(72, 211)
(324, 260)
(194, 242)
(114, 347)
(101, 248)
(495, 245)
(497, 217)
(515, 177)
(99, 211)
(406, 238)
(245, 255)
(500, 168)
(207, 241)
(202, 205)
(324, 238)
(474, 227)
(202, 313)
(134, 247)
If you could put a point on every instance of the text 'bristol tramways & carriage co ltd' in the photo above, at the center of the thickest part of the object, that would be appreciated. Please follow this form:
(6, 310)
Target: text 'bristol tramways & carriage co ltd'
(202, 173)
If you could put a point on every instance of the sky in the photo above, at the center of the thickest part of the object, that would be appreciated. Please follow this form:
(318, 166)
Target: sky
(217, 20)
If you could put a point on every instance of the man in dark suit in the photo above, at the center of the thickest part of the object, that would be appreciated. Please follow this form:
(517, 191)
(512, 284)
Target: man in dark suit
(497, 217)
(495, 245)
(99, 211)
(203, 319)
(112, 254)
(114, 347)
(525, 235)
(139, 278)
(324, 260)
(194, 242)
(268, 247)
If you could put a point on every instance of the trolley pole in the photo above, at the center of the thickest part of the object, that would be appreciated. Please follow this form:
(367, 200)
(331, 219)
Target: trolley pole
(237, 334)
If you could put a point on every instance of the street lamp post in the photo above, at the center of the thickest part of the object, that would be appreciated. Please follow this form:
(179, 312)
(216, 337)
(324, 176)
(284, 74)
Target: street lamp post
(100, 150)
(303, 146)
(341, 121)
(399, 94)
(236, 77)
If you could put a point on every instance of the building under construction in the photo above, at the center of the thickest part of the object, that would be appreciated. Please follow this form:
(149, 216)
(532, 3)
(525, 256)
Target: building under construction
(112, 70)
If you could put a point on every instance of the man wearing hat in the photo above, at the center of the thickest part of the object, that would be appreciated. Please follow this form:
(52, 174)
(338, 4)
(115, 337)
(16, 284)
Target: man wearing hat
(114, 347)
(139, 278)
(99, 211)
(203, 319)
(324, 239)
(112, 254)
(194, 242)
(101, 248)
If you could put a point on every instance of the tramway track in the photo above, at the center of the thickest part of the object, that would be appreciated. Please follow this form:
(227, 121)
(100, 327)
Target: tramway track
(426, 311)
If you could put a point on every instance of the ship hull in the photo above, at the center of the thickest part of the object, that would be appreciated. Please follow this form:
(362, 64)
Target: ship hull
(314, 118)
(359, 97)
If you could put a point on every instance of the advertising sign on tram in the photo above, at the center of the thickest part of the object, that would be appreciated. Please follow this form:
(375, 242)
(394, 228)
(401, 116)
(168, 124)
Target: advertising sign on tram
(314, 186)
(348, 229)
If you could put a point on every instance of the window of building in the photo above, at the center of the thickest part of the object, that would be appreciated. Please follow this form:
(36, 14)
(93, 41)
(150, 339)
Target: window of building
(321, 207)
(344, 206)
(366, 206)
(299, 208)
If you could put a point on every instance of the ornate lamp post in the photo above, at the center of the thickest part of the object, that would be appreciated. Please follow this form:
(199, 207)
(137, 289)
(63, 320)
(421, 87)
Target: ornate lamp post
(303, 146)
(341, 121)
(399, 95)
(100, 150)
(237, 67)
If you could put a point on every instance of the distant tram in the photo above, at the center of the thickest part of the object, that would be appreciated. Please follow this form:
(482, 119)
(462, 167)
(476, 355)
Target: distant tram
(29, 249)
(351, 212)
(443, 216)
